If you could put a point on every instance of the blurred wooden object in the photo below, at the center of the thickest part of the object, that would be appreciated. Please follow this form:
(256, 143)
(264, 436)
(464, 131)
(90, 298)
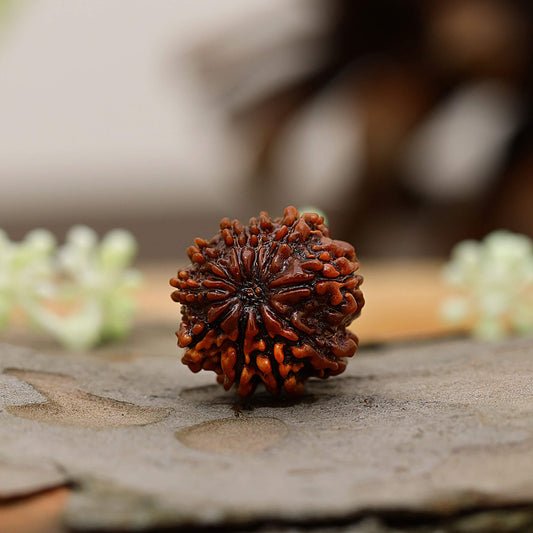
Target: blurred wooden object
(39, 513)
(402, 302)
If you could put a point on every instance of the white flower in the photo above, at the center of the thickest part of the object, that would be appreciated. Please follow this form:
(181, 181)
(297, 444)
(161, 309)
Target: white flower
(92, 278)
(26, 269)
(495, 279)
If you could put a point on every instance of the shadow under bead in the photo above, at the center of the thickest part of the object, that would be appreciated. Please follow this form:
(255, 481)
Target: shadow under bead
(269, 302)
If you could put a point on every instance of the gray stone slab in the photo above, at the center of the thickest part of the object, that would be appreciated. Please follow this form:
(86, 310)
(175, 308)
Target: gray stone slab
(18, 479)
(436, 427)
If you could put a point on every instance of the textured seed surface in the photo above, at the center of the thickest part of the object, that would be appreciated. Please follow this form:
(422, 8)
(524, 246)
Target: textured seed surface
(269, 303)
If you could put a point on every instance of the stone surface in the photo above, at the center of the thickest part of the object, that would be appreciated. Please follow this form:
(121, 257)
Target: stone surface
(20, 479)
(66, 405)
(433, 428)
(228, 436)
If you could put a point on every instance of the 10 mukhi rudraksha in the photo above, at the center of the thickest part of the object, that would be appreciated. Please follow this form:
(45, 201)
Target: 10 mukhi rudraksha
(269, 302)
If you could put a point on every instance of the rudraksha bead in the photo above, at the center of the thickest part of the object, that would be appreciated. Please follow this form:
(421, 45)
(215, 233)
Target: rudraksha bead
(269, 302)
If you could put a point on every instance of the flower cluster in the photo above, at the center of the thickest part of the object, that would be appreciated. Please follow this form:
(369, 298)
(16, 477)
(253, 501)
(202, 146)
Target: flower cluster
(495, 281)
(81, 292)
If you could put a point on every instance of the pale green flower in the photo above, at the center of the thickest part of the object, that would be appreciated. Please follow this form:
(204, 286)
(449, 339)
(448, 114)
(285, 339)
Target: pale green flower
(495, 280)
(91, 277)
(313, 209)
(100, 277)
(26, 270)
(117, 250)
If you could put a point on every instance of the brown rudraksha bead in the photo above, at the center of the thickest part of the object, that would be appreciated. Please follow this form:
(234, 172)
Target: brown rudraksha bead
(269, 303)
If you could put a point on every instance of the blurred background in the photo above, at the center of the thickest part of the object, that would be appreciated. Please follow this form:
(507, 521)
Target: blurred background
(409, 122)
